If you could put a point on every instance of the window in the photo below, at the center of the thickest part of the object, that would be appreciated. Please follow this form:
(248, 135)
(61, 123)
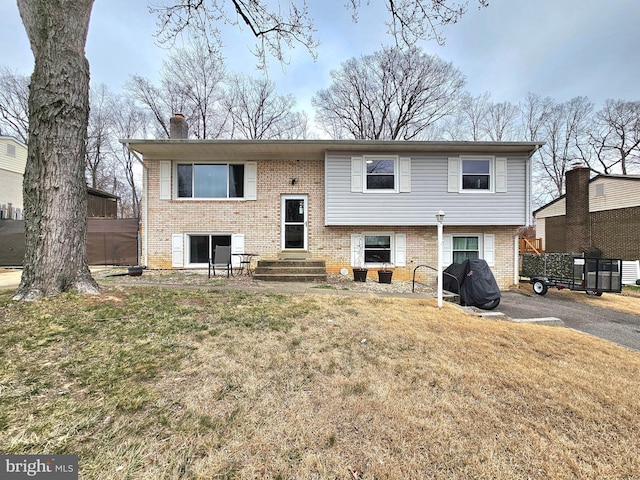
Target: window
(381, 173)
(476, 174)
(11, 150)
(377, 249)
(201, 247)
(465, 247)
(206, 180)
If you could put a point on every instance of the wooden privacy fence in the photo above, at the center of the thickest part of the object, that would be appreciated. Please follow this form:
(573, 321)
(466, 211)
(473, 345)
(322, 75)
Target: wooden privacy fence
(110, 241)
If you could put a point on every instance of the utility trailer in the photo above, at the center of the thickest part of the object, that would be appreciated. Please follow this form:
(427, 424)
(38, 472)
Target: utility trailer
(591, 275)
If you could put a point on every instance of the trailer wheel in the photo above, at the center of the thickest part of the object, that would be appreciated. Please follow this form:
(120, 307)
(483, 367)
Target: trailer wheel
(539, 287)
(596, 293)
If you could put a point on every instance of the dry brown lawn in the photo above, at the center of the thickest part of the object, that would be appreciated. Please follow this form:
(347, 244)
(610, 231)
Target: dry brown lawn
(198, 384)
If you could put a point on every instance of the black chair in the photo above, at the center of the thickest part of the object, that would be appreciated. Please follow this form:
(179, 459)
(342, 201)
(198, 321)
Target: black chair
(221, 259)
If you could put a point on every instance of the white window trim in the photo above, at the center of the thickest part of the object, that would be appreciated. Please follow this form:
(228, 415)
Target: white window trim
(237, 246)
(397, 245)
(492, 174)
(396, 173)
(249, 170)
(486, 247)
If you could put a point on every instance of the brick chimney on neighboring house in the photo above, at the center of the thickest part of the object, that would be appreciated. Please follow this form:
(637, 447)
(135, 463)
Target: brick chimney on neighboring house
(178, 128)
(578, 226)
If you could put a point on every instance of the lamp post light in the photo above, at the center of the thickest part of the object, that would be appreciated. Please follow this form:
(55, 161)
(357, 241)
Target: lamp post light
(440, 220)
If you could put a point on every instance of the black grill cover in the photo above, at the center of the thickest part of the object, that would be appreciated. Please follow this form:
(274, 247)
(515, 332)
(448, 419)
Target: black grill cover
(478, 286)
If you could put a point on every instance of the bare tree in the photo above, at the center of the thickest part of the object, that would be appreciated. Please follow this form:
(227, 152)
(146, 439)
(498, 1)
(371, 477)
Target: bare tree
(55, 202)
(615, 137)
(534, 112)
(279, 30)
(392, 94)
(150, 97)
(99, 136)
(129, 121)
(14, 104)
(259, 112)
(562, 129)
(499, 122)
(191, 83)
(194, 77)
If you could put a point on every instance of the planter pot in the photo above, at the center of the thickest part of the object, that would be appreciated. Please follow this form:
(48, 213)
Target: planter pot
(360, 274)
(135, 271)
(384, 276)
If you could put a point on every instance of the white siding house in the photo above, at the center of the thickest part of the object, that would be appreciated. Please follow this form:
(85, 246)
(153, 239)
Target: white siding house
(13, 159)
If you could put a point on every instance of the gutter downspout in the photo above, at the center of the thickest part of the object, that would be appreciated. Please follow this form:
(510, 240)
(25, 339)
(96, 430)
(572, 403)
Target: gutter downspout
(145, 203)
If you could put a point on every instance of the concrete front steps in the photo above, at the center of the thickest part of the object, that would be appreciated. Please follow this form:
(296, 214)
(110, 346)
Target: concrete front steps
(291, 270)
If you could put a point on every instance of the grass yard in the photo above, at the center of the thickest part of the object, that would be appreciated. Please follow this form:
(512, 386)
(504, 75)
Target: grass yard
(154, 383)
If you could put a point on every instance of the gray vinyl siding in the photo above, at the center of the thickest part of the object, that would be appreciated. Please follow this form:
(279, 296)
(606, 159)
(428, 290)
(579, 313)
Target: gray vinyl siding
(428, 195)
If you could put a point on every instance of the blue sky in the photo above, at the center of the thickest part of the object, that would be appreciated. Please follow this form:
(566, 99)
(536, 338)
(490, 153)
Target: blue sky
(553, 48)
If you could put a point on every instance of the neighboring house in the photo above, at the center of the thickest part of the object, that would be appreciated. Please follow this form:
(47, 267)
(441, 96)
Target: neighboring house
(13, 158)
(598, 215)
(350, 203)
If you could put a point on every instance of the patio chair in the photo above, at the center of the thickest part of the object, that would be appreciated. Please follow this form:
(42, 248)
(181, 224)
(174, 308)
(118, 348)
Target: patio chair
(221, 260)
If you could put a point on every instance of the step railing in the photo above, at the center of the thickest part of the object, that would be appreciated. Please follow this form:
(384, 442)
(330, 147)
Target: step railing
(413, 281)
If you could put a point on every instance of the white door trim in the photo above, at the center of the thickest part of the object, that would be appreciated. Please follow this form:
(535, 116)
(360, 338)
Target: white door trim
(304, 223)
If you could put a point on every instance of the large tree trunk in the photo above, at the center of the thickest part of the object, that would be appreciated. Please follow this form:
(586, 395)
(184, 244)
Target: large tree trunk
(55, 193)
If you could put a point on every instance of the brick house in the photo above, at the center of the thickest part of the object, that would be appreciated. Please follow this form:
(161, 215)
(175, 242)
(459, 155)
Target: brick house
(350, 203)
(599, 215)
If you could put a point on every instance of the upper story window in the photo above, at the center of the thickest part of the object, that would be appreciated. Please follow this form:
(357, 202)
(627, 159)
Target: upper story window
(476, 174)
(380, 173)
(209, 180)
(11, 150)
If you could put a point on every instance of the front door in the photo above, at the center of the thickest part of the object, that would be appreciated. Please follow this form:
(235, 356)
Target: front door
(294, 222)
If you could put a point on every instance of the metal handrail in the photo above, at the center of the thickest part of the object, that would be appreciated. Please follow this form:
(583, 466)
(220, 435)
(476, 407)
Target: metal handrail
(413, 283)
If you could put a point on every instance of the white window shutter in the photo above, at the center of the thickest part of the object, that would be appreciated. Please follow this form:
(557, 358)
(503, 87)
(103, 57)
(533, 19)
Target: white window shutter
(357, 250)
(454, 175)
(447, 250)
(177, 250)
(489, 248)
(405, 174)
(237, 246)
(237, 243)
(356, 174)
(251, 181)
(401, 250)
(501, 175)
(165, 180)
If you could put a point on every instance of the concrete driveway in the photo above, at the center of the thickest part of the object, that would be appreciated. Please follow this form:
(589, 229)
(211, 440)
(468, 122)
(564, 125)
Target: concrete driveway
(617, 327)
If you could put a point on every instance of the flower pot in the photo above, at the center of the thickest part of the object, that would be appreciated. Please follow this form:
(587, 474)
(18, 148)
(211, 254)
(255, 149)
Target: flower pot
(384, 276)
(360, 274)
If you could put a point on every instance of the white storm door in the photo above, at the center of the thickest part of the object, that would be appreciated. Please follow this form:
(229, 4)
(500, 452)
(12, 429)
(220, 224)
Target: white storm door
(294, 222)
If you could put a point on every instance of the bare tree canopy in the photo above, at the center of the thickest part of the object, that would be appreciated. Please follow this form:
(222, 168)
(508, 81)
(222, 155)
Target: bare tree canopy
(278, 30)
(259, 112)
(393, 95)
(14, 104)
(191, 83)
(614, 138)
(563, 130)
